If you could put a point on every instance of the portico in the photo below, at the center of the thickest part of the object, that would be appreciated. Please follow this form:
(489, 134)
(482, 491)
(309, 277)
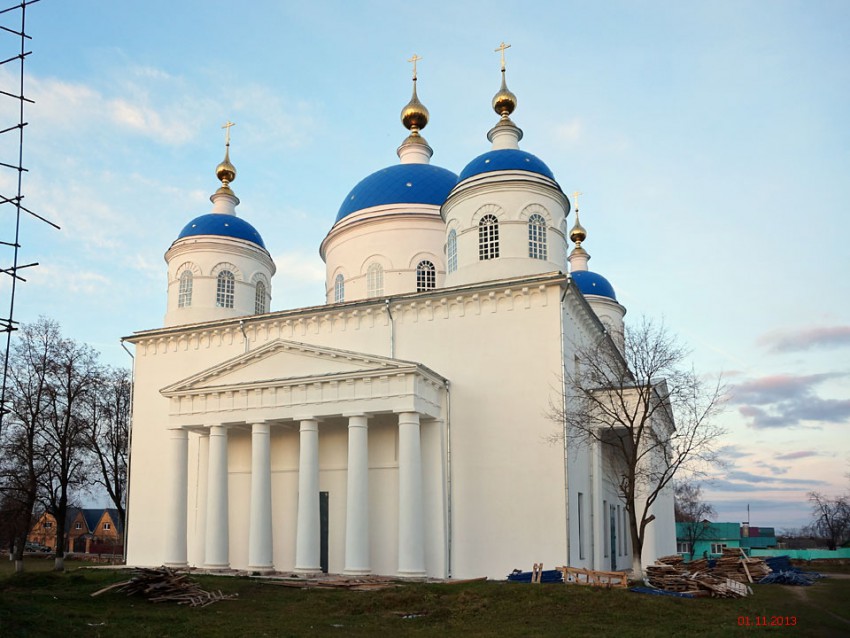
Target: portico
(355, 392)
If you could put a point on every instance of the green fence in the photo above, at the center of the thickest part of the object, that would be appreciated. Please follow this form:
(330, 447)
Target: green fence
(803, 554)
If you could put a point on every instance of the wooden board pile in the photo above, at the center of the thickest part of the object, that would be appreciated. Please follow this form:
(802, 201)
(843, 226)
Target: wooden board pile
(353, 583)
(167, 585)
(727, 579)
(579, 576)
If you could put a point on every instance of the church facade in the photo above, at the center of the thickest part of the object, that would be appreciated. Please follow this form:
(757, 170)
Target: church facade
(402, 427)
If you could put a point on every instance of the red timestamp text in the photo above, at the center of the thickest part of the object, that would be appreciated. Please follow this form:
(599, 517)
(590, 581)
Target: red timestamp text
(767, 621)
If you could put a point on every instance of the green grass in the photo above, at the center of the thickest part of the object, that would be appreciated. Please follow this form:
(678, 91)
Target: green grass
(44, 603)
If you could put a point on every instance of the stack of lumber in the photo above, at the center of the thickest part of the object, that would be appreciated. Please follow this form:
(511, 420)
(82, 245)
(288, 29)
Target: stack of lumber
(166, 585)
(579, 576)
(736, 565)
(669, 578)
(354, 583)
(727, 578)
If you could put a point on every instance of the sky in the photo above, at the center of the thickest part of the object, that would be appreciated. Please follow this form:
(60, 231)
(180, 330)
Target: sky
(710, 141)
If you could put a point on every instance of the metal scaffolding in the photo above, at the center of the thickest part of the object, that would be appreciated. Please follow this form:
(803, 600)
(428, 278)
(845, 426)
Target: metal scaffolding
(11, 201)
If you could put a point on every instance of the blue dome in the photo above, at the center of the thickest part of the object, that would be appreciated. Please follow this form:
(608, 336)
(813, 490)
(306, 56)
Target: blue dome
(400, 184)
(590, 283)
(507, 159)
(223, 225)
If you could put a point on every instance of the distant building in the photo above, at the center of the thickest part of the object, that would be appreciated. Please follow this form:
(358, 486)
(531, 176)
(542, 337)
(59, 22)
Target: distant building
(86, 531)
(712, 538)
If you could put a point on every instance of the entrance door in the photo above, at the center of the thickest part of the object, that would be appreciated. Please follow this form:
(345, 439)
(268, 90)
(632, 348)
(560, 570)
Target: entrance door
(613, 538)
(323, 531)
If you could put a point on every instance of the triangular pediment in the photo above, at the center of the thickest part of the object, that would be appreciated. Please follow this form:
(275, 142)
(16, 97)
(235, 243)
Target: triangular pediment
(285, 360)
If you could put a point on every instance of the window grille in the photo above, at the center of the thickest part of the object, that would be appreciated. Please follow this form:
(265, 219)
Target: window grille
(224, 291)
(184, 295)
(260, 299)
(451, 251)
(375, 281)
(339, 289)
(426, 276)
(537, 237)
(488, 237)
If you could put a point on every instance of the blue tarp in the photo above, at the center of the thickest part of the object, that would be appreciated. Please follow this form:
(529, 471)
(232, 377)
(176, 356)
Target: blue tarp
(660, 592)
(547, 576)
(791, 577)
(784, 573)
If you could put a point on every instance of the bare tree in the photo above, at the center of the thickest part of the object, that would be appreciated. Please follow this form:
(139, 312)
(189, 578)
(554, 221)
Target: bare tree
(75, 375)
(634, 396)
(22, 463)
(830, 519)
(108, 433)
(692, 513)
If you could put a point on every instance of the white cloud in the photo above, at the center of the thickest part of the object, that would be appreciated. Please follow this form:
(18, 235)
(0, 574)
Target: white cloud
(569, 131)
(70, 279)
(300, 266)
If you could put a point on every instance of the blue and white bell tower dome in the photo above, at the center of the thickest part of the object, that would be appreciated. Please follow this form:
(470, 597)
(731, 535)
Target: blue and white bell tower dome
(218, 267)
(388, 235)
(506, 217)
(594, 287)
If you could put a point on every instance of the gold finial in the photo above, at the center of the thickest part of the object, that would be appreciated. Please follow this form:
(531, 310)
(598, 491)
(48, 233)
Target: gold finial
(501, 49)
(226, 126)
(414, 115)
(414, 59)
(504, 102)
(226, 172)
(578, 234)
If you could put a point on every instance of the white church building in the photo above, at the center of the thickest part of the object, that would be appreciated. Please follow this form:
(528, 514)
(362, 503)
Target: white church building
(400, 428)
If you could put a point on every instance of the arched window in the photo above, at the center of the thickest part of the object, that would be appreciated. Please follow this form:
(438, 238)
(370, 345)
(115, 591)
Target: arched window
(184, 294)
(375, 281)
(426, 276)
(451, 250)
(488, 237)
(339, 289)
(537, 237)
(224, 289)
(260, 299)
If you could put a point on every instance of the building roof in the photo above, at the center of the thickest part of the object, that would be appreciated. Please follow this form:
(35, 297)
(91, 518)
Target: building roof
(506, 160)
(400, 184)
(591, 283)
(224, 226)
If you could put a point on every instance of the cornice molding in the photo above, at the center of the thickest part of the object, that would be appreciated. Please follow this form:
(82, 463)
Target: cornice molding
(442, 303)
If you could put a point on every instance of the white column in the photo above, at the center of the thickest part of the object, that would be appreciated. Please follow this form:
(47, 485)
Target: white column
(307, 536)
(411, 539)
(175, 522)
(199, 551)
(217, 538)
(260, 529)
(357, 500)
(598, 519)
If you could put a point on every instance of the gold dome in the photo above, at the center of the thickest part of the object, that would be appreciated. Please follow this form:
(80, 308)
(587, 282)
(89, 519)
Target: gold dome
(226, 172)
(504, 102)
(414, 115)
(577, 234)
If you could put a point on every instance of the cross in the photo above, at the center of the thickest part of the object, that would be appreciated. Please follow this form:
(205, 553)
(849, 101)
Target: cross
(575, 198)
(414, 59)
(227, 134)
(502, 48)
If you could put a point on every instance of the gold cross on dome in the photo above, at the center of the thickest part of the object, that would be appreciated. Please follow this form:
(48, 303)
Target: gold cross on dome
(414, 59)
(575, 198)
(227, 126)
(501, 48)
